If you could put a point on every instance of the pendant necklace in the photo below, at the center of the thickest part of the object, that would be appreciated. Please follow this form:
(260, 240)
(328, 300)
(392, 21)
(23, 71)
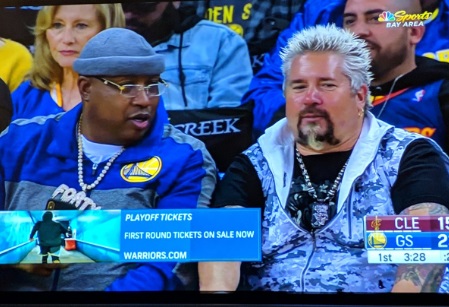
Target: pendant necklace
(85, 187)
(320, 206)
(388, 96)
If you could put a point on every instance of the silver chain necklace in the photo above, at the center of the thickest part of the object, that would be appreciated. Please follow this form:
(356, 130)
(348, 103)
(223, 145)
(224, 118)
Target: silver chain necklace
(320, 207)
(388, 96)
(85, 187)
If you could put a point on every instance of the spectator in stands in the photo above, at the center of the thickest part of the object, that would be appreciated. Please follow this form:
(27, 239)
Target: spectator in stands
(265, 90)
(404, 87)
(207, 63)
(208, 69)
(318, 172)
(61, 32)
(258, 21)
(115, 150)
(408, 91)
(15, 62)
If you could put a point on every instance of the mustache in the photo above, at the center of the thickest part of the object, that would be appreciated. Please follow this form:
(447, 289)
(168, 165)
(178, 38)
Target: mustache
(314, 112)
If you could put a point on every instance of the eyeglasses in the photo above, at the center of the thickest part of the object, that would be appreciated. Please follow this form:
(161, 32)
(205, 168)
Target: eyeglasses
(132, 90)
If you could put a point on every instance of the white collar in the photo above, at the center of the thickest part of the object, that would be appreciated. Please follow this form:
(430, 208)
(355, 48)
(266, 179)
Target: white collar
(97, 152)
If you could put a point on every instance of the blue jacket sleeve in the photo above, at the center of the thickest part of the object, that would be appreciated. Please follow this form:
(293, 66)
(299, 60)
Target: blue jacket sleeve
(265, 89)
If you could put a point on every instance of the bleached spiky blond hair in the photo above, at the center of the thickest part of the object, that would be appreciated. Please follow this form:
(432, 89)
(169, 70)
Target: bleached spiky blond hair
(330, 38)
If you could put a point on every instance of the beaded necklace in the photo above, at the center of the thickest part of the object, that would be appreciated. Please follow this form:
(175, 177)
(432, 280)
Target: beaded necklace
(85, 187)
(320, 207)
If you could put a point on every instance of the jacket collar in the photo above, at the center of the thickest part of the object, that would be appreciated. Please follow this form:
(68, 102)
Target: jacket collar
(175, 41)
(364, 152)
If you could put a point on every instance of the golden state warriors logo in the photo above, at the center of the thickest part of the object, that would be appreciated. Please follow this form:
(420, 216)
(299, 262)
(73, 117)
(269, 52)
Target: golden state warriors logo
(141, 171)
(377, 240)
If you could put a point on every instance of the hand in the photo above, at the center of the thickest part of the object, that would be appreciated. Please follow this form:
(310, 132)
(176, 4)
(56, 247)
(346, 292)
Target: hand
(32, 239)
(40, 269)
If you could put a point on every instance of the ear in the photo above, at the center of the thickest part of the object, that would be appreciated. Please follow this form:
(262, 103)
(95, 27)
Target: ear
(361, 97)
(416, 34)
(84, 86)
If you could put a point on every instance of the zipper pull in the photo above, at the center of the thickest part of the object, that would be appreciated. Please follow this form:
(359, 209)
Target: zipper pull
(94, 169)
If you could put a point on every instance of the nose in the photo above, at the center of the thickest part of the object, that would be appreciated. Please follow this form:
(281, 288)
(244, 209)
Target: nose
(142, 99)
(68, 36)
(312, 96)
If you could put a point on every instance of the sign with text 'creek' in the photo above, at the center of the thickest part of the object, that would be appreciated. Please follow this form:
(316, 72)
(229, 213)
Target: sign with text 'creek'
(188, 235)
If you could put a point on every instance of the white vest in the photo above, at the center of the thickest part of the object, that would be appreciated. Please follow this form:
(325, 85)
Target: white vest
(333, 258)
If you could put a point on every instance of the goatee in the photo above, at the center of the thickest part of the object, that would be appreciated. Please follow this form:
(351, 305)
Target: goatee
(310, 135)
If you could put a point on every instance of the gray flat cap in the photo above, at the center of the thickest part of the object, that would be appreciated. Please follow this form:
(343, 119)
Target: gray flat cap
(118, 52)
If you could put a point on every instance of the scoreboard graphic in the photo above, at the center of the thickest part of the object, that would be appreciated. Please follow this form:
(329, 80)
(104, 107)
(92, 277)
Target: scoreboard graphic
(407, 239)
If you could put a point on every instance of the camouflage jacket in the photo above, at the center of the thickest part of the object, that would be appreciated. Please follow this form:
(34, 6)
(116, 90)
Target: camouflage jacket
(333, 258)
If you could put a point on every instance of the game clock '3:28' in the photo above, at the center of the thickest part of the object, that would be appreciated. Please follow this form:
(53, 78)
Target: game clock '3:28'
(414, 257)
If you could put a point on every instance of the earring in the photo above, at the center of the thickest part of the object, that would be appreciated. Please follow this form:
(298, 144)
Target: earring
(360, 114)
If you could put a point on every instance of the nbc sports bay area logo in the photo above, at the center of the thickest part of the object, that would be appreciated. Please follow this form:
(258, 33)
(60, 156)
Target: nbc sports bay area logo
(402, 19)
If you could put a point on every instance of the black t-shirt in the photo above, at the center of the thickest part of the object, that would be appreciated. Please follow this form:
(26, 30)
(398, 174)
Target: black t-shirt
(323, 171)
(422, 177)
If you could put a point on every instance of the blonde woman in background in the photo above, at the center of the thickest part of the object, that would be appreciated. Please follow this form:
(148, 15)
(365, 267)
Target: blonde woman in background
(60, 34)
(15, 62)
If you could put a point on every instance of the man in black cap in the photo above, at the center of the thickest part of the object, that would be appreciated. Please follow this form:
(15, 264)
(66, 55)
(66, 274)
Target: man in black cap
(115, 150)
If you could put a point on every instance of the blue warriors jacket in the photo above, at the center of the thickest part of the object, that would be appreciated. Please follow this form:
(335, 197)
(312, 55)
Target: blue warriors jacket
(38, 157)
(28, 101)
(418, 101)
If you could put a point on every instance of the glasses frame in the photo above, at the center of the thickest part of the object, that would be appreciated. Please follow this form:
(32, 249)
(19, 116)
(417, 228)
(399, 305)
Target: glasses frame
(140, 87)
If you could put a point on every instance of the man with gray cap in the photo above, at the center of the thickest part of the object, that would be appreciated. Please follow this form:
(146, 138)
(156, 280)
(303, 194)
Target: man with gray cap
(115, 150)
